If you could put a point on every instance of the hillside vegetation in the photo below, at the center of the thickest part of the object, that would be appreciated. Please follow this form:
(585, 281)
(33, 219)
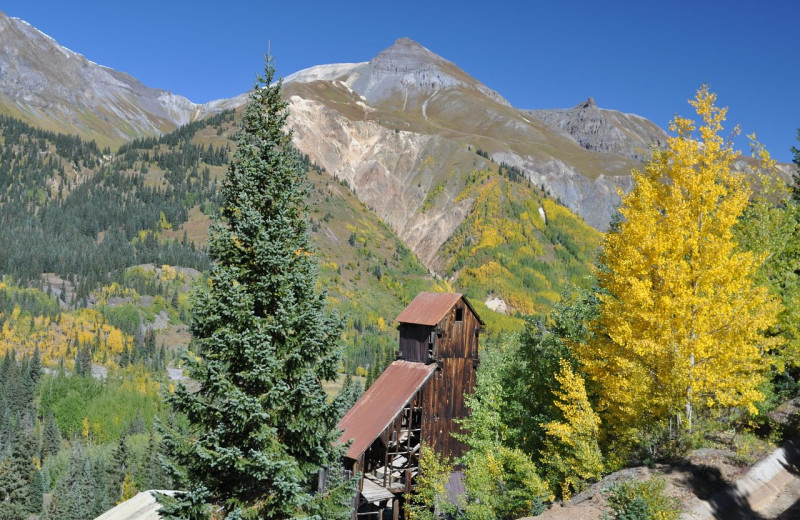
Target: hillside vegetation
(103, 248)
(683, 340)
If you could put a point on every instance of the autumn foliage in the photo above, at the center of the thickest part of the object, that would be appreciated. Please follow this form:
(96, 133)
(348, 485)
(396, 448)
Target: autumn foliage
(574, 455)
(681, 319)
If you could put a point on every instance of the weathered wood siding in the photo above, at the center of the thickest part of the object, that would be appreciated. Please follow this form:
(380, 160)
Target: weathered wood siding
(414, 342)
(457, 356)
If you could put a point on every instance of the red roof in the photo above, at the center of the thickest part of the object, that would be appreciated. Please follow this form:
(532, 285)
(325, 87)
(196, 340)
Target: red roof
(429, 308)
(381, 403)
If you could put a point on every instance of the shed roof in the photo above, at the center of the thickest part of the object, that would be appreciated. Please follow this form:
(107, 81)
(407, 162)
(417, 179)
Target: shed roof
(429, 308)
(381, 403)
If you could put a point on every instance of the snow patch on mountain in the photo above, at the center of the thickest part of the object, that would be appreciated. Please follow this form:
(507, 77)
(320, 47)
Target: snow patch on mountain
(328, 72)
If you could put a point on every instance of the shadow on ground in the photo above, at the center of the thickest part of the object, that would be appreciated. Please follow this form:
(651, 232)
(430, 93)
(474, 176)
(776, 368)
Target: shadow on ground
(708, 484)
(792, 465)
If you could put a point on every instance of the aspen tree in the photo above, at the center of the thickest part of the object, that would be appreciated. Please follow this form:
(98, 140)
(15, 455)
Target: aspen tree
(680, 320)
(571, 450)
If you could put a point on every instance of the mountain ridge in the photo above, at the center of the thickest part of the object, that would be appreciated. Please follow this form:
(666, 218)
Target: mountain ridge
(396, 127)
(46, 84)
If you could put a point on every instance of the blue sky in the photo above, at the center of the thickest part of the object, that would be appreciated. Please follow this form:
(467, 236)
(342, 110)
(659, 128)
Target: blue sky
(640, 56)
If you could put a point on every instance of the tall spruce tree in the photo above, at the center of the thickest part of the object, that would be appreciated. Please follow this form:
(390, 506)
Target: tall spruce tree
(261, 424)
(796, 176)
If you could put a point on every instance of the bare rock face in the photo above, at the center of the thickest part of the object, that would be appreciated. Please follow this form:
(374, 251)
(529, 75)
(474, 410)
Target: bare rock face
(605, 130)
(593, 199)
(385, 168)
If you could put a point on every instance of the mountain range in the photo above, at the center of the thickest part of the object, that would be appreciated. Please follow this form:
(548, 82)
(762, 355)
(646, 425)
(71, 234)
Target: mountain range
(418, 141)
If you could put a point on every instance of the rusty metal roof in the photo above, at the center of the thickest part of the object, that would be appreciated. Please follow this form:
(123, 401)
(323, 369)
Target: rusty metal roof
(429, 308)
(381, 403)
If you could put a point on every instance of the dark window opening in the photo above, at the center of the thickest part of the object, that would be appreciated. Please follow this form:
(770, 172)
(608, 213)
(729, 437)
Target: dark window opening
(459, 314)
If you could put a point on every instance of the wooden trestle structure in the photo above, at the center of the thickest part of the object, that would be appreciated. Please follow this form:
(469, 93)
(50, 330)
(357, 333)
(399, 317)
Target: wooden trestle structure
(414, 402)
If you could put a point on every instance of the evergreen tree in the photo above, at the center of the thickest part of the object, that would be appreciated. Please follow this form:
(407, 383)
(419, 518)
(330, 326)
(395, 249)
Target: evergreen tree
(35, 365)
(29, 494)
(350, 393)
(116, 471)
(154, 475)
(12, 487)
(51, 437)
(261, 424)
(796, 176)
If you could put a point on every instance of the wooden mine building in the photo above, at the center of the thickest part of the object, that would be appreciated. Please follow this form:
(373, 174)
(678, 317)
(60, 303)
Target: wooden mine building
(414, 402)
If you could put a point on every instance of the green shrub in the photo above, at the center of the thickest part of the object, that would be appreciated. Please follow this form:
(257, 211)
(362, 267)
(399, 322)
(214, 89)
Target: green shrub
(642, 500)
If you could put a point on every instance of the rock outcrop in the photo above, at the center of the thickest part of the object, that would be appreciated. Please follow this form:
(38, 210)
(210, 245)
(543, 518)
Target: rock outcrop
(605, 130)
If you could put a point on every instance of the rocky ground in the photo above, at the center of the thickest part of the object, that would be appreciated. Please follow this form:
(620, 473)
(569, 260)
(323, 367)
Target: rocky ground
(713, 483)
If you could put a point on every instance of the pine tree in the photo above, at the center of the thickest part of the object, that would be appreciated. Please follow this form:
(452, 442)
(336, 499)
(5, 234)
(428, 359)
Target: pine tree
(116, 471)
(12, 486)
(261, 424)
(35, 365)
(796, 176)
(680, 326)
(350, 393)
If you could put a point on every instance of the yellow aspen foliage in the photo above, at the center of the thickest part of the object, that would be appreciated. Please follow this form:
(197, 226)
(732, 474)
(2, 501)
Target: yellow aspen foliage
(62, 337)
(167, 273)
(571, 450)
(127, 488)
(382, 324)
(85, 429)
(681, 319)
(430, 491)
(164, 222)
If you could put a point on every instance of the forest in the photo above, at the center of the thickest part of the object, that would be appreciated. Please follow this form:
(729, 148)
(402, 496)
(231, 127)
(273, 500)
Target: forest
(629, 348)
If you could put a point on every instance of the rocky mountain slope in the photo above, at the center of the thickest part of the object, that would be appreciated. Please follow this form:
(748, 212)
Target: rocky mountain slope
(50, 86)
(385, 118)
(409, 132)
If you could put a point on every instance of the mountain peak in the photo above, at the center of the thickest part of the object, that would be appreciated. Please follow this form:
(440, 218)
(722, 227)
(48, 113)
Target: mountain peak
(407, 55)
(589, 103)
(407, 68)
(409, 46)
(405, 40)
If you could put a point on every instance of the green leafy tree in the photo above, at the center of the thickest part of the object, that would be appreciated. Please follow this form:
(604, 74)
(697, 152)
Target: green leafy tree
(771, 223)
(502, 481)
(642, 500)
(261, 425)
(429, 499)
